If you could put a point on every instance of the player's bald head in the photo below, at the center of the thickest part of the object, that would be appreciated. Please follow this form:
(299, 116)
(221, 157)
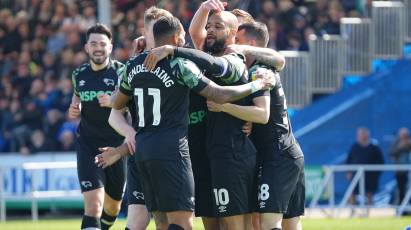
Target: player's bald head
(221, 31)
(229, 19)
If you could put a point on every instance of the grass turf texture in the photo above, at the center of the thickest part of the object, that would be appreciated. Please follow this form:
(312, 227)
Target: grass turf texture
(308, 224)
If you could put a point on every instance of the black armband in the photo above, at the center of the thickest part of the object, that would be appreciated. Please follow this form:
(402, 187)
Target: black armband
(210, 65)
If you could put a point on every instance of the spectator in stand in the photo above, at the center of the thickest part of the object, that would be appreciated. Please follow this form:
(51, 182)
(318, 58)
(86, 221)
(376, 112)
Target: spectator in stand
(38, 142)
(364, 151)
(400, 153)
(42, 41)
(66, 141)
(52, 125)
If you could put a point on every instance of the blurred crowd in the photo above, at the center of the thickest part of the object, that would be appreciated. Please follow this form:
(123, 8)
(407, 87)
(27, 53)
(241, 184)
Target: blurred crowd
(41, 42)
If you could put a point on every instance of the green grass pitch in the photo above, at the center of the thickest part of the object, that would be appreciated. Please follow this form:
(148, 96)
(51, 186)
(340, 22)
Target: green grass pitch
(308, 224)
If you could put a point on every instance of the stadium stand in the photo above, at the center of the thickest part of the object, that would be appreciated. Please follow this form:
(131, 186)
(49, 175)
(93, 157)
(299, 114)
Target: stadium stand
(41, 43)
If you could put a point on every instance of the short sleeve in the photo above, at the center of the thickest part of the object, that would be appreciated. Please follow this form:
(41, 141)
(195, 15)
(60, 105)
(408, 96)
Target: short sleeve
(74, 82)
(188, 74)
(125, 84)
(119, 67)
(236, 69)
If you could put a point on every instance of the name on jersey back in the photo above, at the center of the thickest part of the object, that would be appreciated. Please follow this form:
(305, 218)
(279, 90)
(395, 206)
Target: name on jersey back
(159, 72)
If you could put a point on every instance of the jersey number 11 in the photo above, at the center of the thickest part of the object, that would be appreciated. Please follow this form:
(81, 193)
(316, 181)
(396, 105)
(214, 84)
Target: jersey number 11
(155, 93)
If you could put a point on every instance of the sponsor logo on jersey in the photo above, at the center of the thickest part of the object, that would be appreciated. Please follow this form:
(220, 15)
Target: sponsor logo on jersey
(86, 184)
(254, 76)
(197, 117)
(82, 83)
(92, 94)
(138, 195)
(108, 81)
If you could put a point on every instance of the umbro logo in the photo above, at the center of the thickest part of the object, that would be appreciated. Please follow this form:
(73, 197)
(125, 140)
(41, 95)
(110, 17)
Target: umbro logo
(108, 81)
(222, 209)
(82, 83)
(138, 195)
(86, 184)
(262, 204)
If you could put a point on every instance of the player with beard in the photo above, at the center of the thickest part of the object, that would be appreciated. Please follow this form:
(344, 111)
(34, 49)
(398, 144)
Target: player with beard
(196, 131)
(214, 34)
(281, 161)
(93, 83)
(234, 157)
(161, 96)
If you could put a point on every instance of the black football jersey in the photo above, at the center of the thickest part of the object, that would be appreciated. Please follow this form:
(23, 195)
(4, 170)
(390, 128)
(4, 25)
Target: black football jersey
(225, 138)
(161, 96)
(87, 85)
(276, 136)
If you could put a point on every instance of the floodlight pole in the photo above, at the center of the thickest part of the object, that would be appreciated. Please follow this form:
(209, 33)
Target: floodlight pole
(104, 12)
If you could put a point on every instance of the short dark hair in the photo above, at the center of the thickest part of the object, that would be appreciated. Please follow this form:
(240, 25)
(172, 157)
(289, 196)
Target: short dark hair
(99, 29)
(165, 27)
(256, 30)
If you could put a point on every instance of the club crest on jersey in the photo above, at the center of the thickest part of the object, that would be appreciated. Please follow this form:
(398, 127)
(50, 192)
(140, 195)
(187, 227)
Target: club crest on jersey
(86, 184)
(81, 83)
(254, 76)
(138, 195)
(108, 81)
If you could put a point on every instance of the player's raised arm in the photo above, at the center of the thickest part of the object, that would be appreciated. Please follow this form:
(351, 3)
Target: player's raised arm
(266, 56)
(192, 77)
(228, 68)
(197, 27)
(212, 66)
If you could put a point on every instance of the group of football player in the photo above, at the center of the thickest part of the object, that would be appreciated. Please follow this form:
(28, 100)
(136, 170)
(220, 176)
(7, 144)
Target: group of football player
(201, 131)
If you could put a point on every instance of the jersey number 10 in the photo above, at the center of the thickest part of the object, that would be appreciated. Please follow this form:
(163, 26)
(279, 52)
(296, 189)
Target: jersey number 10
(155, 93)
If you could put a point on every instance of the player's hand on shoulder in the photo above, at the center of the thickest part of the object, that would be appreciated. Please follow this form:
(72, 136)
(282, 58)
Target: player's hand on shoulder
(139, 45)
(104, 100)
(107, 157)
(216, 5)
(266, 77)
(214, 107)
(74, 110)
(157, 54)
